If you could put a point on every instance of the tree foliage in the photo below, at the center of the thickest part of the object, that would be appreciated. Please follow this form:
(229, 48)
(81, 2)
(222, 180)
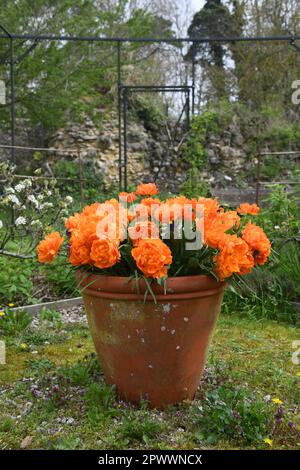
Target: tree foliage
(256, 73)
(55, 80)
(213, 20)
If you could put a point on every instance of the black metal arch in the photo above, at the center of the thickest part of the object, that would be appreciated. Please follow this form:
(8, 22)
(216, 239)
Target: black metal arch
(123, 91)
(118, 41)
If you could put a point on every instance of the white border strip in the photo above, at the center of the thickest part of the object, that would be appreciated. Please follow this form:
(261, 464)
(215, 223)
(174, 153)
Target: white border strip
(55, 305)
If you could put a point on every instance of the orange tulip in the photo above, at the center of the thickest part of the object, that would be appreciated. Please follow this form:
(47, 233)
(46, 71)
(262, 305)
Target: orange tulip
(246, 208)
(49, 247)
(152, 257)
(146, 189)
(129, 197)
(104, 253)
(234, 257)
(258, 242)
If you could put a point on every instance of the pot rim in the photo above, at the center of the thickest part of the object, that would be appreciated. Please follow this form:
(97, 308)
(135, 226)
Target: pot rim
(124, 287)
(128, 277)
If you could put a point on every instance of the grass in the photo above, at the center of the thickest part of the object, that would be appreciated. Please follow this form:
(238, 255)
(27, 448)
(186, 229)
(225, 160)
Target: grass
(53, 395)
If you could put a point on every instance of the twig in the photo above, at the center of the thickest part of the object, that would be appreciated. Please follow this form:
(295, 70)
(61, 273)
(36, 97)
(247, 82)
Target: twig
(16, 255)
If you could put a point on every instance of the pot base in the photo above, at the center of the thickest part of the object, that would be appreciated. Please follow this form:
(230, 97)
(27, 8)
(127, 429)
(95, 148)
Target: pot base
(154, 352)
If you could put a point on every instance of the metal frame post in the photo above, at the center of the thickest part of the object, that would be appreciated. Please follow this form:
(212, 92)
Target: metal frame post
(146, 89)
(188, 110)
(12, 97)
(119, 112)
(290, 39)
(193, 79)
(125, 135)
(258, 176)
(12, 90)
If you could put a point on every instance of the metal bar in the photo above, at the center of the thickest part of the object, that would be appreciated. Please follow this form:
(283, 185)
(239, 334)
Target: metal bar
(12, 98)
(193, 79)
(264, 154)
(7, 33)
(188, 111)
(158, 90)
(119, 113)
(154, 87)
(210, 39)
(35, 177)
(27, 52)
(80, 176)
(12, 92)
(178, 120)
(125, 136)
(273, 183)
(258, 179)
(18, 147)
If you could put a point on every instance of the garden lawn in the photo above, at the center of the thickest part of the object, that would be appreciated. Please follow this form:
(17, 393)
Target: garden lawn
(53, 395)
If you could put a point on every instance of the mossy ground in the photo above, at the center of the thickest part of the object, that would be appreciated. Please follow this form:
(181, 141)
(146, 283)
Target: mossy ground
(53, 395)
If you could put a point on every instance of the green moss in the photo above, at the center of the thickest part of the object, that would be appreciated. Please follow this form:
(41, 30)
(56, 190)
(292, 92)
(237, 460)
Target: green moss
(248, 360)
(212, 121)
(194, 148)
(76, 344)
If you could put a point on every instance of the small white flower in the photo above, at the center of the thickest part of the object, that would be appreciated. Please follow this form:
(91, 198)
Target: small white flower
(19, 187)
(20, 221)
(27, 183)
(69, 199)
(40, 197)
(37, 223)
(13, 198)
(1, 224)
(32, 199)
(9, 190)
(277, 227)
(46, 205)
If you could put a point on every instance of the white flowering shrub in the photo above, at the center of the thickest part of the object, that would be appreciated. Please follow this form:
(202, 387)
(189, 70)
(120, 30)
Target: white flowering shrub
(29, 208)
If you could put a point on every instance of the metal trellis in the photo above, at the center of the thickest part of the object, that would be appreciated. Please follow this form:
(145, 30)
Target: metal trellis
(118, 41)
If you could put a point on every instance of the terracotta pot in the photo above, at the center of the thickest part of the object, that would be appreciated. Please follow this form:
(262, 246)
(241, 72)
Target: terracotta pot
(152, 351)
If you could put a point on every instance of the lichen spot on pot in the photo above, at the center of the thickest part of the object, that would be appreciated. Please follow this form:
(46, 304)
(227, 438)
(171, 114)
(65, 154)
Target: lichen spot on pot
(186, 319)
(163, 328)
(173, 332)
(124, 311)
(150, 366)
(106, 338)
(177, 348)
(166, 308)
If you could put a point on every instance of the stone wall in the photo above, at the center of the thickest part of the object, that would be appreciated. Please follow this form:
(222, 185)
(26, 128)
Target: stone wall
(147, 158)
(228, 157)
(101, 146)
(230, 164)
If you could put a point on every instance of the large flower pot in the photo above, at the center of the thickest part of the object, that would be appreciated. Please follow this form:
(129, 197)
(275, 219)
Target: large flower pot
(152, 351)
